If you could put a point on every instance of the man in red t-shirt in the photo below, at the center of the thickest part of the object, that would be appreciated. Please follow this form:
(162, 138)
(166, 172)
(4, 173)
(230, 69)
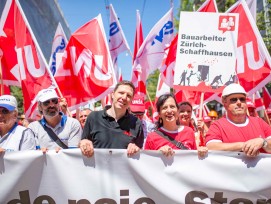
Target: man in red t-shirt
(237, 131)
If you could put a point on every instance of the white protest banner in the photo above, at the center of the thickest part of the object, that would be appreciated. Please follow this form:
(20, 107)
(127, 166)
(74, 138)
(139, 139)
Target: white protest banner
(206, 51)
(111, 177)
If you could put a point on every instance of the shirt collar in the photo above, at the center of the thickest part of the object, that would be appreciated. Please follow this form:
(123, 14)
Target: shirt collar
(62, 122)
(109, 106)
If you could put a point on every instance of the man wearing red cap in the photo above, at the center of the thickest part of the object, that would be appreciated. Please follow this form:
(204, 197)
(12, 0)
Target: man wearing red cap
(137, 108)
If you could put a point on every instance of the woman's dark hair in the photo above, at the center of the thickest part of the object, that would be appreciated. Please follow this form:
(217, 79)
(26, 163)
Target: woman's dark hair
(160, 102)
(185, 103)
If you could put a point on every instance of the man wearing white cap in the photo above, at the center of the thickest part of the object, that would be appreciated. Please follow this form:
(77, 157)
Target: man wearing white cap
(13, 137)
(55, 130)
(237, 131)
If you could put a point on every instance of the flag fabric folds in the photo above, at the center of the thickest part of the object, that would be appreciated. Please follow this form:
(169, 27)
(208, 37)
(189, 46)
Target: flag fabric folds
(151, 53)
(138, 36)
(32, 69)
(117, 40)
(86, 72)
(253, 59)
(266, 98)
(58, 47)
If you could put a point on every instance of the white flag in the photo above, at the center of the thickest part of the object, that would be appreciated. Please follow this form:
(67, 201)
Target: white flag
(117, 40)
(58, 47)
(152, 51)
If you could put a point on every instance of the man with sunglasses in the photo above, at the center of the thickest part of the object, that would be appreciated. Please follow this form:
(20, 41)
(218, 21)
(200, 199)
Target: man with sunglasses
(13, 137)
(237, 131)
(55, 130)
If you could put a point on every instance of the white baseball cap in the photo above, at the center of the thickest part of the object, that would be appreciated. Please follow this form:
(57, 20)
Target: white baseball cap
(9, 102)
(233, 89)
(47, 94)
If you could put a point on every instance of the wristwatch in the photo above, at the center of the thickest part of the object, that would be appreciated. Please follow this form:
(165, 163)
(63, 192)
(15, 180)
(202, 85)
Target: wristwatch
(265, 143)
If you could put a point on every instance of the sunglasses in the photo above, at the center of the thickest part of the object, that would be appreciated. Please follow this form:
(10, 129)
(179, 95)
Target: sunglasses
(241, 99)
(5, 111)
(54, 101)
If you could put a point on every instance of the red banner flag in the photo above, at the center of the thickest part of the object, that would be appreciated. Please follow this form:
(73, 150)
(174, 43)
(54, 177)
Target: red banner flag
(266, 98)
(86, 72)
(9, 63)
(253, 59)
(33, 69)
(208, 6)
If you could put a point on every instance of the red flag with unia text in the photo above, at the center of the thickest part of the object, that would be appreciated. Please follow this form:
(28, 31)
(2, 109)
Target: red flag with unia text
(86, 72)
(33, 69)
(253, 60)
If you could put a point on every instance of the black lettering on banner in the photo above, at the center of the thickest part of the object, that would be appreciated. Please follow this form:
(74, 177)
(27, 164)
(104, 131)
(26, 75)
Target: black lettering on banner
(82, 201)
(218, 197)
(144, 200)
(40, 199)
(264, 201)
(124, 193)
(105, 201)
(189, 198)
(24, 198)
(241, 201)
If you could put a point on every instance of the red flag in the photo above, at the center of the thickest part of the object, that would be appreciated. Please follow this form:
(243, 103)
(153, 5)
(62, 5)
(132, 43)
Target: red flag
(139, 35)
(259, 104)
(9, 61)
(86, 72)
(266, 98)
(137, 43)
(5, 89)
(253, 59)
(32, 69)
(167, 69)
(208, 6)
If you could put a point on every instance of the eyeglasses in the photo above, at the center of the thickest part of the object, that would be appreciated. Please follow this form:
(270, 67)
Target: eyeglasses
(241, 99)
(5, 111)
(54, 101)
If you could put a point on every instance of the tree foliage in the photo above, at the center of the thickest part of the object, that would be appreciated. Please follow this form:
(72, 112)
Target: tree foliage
(17, 93)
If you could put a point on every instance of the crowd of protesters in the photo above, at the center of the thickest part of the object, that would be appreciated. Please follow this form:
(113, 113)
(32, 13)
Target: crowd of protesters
(125, 125)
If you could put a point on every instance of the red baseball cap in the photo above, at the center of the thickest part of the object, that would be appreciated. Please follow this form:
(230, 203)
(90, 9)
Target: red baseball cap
(138, 104)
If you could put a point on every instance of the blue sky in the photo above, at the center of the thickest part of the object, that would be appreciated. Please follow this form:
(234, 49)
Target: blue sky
(79, 12)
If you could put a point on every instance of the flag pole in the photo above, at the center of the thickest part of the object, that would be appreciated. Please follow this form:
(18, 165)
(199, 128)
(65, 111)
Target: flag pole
(266, 116)
(202, 143)
(149, 99)
(1, 72)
